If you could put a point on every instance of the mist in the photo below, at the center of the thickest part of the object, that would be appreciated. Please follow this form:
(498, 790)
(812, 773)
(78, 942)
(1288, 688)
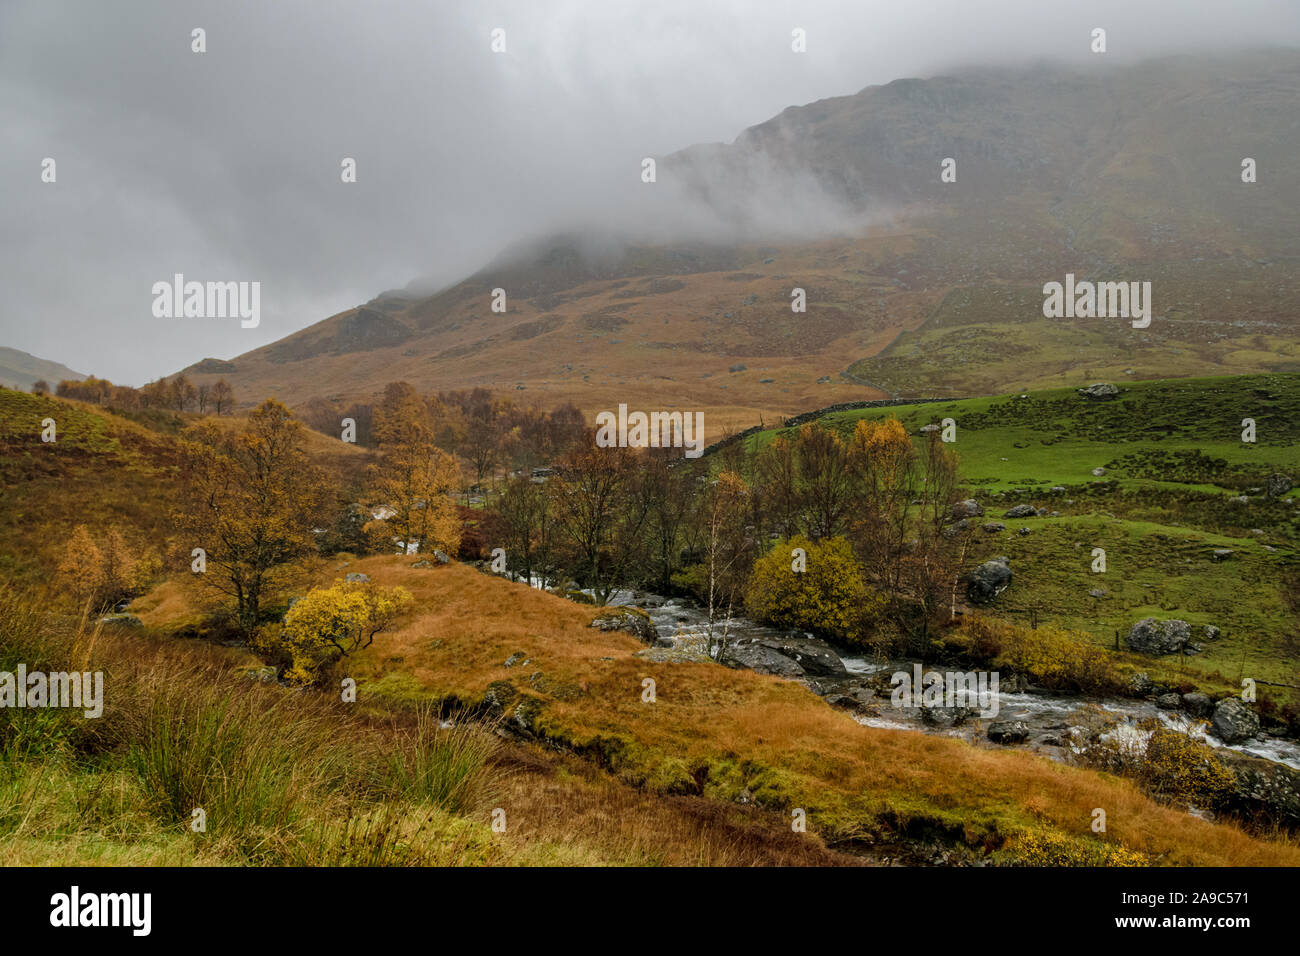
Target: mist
(225, 165)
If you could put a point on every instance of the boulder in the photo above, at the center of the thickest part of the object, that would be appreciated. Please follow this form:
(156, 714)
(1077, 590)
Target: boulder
(356, 577)
(761, 659)
(1275, 486)
(1022, 511)
(441, 557)
(1099, 391)
(1140, 684)
(1198, 704)
(946, 716)
(993, 527)
(1098, 471)
(970, 508)
(1157, 638)
(1008, 731)
(498, 697)
(813, 656)
(1221, 554)
(1263, 786)
(518, 657)
(956, 528)
(989, 580)
(1169, 701)
(632, 620)
(1210, 632)
(1233, 722)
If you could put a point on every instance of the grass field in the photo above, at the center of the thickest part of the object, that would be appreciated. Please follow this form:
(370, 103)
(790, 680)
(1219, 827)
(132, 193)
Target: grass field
(1174, 466)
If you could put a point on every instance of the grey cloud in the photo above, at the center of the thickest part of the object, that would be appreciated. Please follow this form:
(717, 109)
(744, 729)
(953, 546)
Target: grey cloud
(226, 165)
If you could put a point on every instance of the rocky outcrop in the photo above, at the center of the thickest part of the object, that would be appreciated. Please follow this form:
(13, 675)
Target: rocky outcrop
(1157, 638)
(1275, 486)
(786, 657)
(989, 580)
(1008, 731)
(1263, 787)
(632, 620)
(1233, 722)
(1099, 391)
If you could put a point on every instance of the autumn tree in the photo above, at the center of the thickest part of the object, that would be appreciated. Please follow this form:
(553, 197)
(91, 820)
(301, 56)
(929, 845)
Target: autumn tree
(331, 623)
(778, 486)
(589, 488)
(415, 479)
(824, 592)
(80, 569)
(525, 527)
(825, 483)
(728, 552)
(223, 397)
(250, 501)
(98, 574)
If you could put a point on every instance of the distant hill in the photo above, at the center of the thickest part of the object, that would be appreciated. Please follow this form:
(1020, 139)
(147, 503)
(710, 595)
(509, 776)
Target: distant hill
(931, 289)
(21, 370)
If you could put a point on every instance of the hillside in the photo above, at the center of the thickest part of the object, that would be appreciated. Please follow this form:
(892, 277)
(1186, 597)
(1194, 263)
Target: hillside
(931, 288)
(736, 737)
(1182, 508)
(22, 370)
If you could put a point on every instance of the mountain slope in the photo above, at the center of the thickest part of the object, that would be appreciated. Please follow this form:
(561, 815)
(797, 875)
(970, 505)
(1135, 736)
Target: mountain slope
(1125, 174)
(22, 370)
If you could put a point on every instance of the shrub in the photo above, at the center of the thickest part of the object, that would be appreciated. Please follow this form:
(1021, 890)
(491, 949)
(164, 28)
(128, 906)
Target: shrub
(1183, 770)
(828, 597)
(330, 623)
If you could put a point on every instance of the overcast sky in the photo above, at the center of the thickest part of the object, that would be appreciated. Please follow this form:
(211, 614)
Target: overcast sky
(226, 165)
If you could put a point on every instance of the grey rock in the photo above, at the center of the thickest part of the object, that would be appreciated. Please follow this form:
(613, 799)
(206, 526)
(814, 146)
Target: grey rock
(956, 528)
(989, 580)
(1021, 511)
(1150, 636)
(1098, 471)
(1234, 722)
(993, 527)
(1169, 701)
(762, 659)
(1198, 704)
(970, 508)
(1275, 486)
(1008, 731)
(356, 577)
(1210, 632)
(946, 716)
(1222, 554)
(1100, 391)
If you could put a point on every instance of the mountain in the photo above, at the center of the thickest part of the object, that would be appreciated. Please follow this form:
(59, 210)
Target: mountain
(914, 286)
(21, 370)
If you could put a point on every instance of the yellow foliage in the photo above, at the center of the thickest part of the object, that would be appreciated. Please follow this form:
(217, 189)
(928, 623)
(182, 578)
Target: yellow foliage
(336, 621)
(829, 596)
